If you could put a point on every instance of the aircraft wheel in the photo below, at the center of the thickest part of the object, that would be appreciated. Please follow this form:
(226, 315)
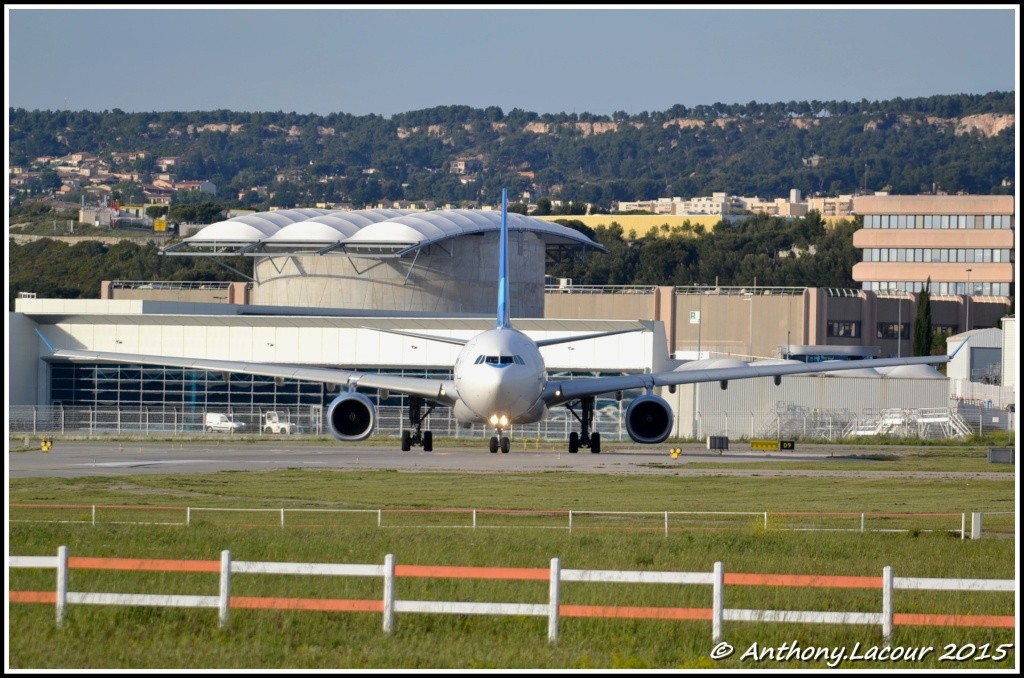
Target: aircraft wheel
(574, 442)
(506, 445)
(494, 444)
(406, 441)
(595, 443)
(428, 441)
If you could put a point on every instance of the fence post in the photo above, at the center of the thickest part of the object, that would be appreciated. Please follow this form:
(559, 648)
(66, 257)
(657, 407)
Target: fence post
(666, 523)
(94, 515)
(225, 587)
(887, 605)
(188, 515)
(976, 525)
(389, 593)
(862, 522)
(380, 517)
(963, 526)
(62, 582)
(570, 520)
(766, 521)
(474, 519)
(282, 517)
(553, 599)
(717, 602)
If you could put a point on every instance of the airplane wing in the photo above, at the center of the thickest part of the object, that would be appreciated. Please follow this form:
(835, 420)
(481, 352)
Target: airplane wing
(439, 390)
(539, 342)
(570, 389)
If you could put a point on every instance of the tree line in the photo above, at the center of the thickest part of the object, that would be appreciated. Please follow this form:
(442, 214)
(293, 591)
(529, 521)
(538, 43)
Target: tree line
(905, 146)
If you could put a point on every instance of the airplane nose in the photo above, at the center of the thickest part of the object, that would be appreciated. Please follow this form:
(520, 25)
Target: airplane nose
(495, 390)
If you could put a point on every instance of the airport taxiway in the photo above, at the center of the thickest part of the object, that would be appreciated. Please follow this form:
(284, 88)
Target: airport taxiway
(72, 459)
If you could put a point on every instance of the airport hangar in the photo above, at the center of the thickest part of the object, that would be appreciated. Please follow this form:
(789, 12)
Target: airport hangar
(324, 279)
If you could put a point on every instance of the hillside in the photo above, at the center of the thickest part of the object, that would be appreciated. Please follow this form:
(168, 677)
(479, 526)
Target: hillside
(452, 154)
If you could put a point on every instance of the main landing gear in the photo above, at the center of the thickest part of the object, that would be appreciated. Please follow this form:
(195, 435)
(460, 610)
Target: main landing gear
(500, 441)
(584, 438)
(416, 417)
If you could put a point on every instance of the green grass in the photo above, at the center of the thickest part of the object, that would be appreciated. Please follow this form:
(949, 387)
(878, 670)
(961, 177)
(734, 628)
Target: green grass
(149, 638)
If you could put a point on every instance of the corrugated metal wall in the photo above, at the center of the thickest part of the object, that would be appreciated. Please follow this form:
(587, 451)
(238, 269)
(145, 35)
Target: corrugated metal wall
(749, 407)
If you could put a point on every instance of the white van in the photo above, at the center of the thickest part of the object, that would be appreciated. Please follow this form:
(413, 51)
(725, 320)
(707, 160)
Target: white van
(216, 421)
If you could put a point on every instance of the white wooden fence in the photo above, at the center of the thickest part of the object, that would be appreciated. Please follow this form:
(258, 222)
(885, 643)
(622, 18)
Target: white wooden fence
(570, 520)
(389, 605)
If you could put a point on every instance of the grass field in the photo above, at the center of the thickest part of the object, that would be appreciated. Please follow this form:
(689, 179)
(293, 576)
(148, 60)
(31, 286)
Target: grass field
(120, 637)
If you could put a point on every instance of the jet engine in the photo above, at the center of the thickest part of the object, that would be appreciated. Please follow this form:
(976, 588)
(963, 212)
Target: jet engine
(351, 416)
(649, 419)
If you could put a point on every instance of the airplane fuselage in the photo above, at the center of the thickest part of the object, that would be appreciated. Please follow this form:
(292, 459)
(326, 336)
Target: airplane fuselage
(500, 377)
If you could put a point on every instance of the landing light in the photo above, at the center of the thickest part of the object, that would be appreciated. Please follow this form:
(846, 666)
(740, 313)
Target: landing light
(503, 421)
(494, 420)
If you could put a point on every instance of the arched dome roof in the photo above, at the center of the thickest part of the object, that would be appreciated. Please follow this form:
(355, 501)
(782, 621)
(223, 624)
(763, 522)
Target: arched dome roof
(385, 231)
(253, 227)
(329, 228)
(425, 228)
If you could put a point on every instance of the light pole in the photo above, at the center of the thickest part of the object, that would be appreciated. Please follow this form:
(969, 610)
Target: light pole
(750, 327)
(968, 323)
(899, 328)
(700, 320)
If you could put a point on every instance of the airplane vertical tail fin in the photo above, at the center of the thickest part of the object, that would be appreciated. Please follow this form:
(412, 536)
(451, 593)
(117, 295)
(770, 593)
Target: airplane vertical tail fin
(503, 300)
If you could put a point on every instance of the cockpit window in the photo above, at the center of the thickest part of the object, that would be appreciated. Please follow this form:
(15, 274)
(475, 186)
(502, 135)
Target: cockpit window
(499, 360)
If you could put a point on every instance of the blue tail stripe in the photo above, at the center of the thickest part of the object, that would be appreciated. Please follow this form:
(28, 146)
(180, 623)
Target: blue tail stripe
(503, 317)
(45, 341)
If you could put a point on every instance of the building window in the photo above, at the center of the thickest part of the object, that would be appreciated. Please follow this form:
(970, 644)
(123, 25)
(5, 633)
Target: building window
(891, 330)
(843, 329)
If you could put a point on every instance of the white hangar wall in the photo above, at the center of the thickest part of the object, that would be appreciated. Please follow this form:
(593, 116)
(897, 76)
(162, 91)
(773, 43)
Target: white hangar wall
(344, 341)
(748, 405)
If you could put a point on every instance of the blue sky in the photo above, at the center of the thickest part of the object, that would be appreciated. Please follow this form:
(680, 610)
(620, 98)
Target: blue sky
(574, 59)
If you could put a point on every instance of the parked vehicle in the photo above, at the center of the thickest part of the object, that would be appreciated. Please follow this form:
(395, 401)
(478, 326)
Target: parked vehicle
(273, 422)
(217, 421)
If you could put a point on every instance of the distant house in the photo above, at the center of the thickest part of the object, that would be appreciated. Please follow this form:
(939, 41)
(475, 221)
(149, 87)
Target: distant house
(204, 186)
(167, 162)
(465, 166)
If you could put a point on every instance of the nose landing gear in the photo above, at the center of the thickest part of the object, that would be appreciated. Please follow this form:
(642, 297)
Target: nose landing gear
(499, 441)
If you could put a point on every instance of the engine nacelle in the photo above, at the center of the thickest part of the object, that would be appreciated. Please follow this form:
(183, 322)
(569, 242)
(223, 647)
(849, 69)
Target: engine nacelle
(649, 419)
(351, 416)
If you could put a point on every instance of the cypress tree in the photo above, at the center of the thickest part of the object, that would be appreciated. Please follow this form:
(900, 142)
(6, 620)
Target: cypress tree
(923, 322)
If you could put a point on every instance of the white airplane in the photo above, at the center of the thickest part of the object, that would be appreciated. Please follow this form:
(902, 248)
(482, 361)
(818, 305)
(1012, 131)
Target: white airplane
(500, 380)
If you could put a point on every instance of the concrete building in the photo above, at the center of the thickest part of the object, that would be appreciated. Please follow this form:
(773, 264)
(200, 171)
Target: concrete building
(750, 323)
(441, 262)
(963, 244)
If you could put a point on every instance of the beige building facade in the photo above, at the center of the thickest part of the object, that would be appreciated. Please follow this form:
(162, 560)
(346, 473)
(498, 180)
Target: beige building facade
(963, 244)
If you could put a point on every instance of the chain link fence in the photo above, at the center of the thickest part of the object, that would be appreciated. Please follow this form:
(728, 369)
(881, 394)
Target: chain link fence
(307, 421)
(789, 423)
